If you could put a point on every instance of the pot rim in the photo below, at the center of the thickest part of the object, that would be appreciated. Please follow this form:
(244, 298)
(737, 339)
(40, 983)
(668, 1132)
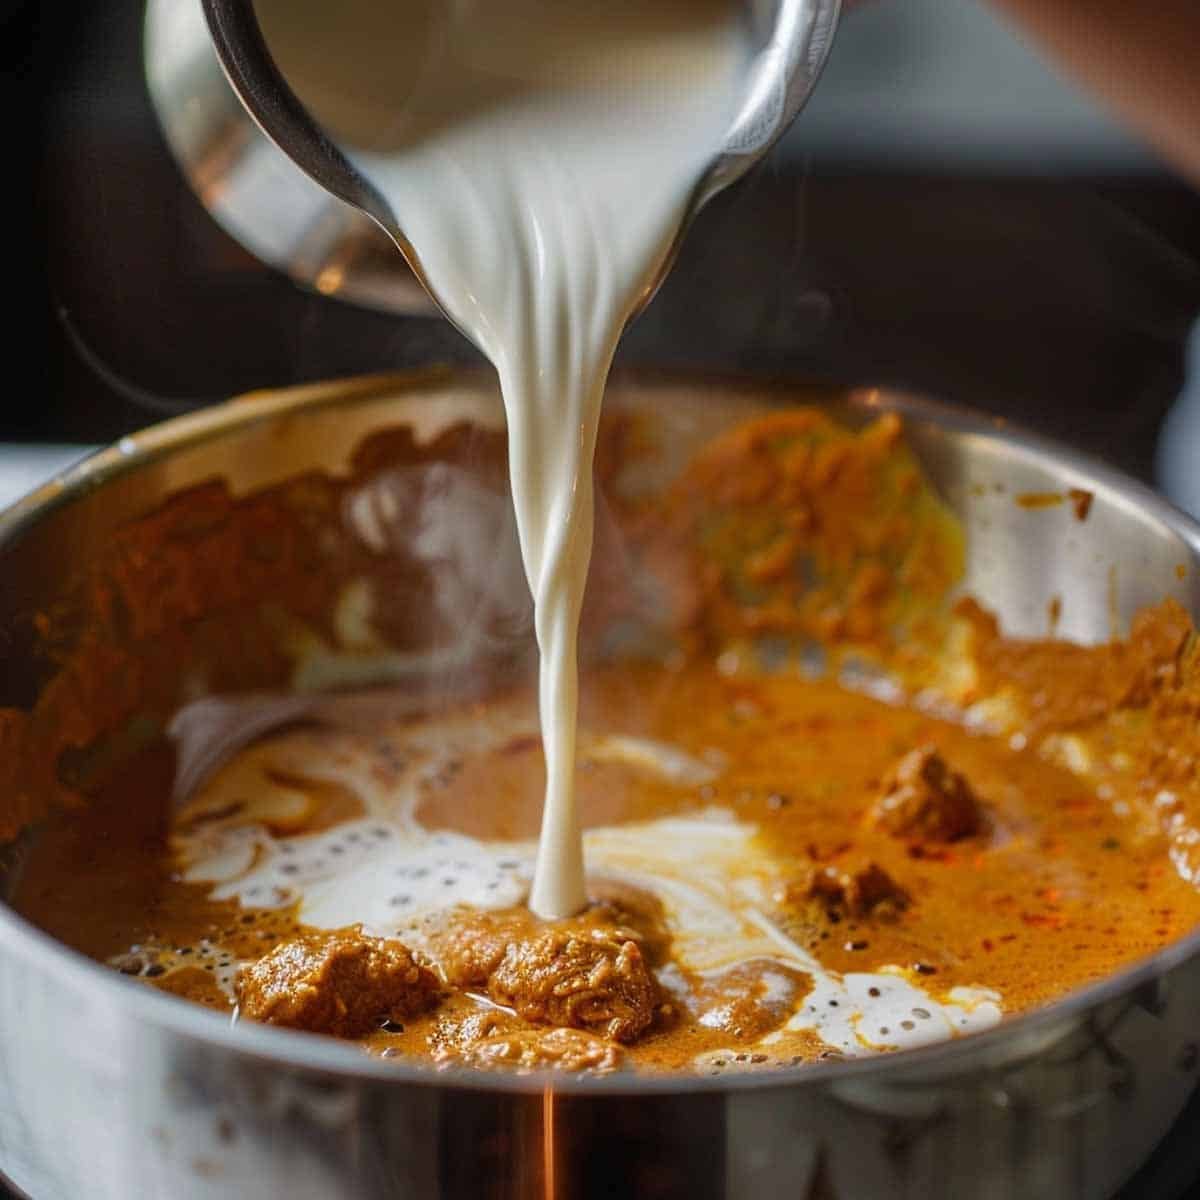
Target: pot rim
(296, 1050)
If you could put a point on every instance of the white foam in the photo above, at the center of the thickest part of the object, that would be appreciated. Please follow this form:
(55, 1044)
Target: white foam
(416, 875)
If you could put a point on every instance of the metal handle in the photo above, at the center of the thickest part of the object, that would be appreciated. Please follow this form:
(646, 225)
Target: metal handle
(799, 35)
(278, 112)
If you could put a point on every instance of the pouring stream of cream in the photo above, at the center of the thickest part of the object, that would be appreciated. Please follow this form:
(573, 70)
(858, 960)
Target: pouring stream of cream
(539, 158)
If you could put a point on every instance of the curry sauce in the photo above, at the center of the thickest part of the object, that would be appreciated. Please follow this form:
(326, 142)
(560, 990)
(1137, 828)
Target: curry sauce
(1050, 886)
(833, 813)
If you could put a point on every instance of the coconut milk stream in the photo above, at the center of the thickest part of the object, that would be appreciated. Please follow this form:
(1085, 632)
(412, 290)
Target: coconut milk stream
(539, 158)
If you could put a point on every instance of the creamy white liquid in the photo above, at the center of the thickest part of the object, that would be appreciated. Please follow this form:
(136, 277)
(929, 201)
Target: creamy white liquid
(539, 158)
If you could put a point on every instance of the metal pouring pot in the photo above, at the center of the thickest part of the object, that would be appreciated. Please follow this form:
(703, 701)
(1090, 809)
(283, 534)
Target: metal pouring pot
(111, 1090)
(268, 189)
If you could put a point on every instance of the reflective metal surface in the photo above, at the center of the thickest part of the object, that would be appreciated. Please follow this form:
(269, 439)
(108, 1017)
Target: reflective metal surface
(253, 190)
(110, 1090)
(270, 177)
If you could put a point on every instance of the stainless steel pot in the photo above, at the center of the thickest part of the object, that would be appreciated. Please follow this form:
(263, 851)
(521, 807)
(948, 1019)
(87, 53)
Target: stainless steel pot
(112, 1091)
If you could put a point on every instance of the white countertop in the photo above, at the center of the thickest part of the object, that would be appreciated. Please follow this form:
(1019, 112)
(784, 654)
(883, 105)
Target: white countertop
(24, 466)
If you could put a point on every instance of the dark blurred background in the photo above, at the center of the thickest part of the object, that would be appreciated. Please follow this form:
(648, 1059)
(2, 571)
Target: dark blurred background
(947, 216)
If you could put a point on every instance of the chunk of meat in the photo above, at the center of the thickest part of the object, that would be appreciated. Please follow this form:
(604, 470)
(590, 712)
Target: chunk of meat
(750, 999)
(589, 980)
(923, 799)
(458, 1028)
(343, 983)
(470, 943)
(851, 890)
(492, 1038)
(637, 913)
(536, 1050)
(580, 972)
